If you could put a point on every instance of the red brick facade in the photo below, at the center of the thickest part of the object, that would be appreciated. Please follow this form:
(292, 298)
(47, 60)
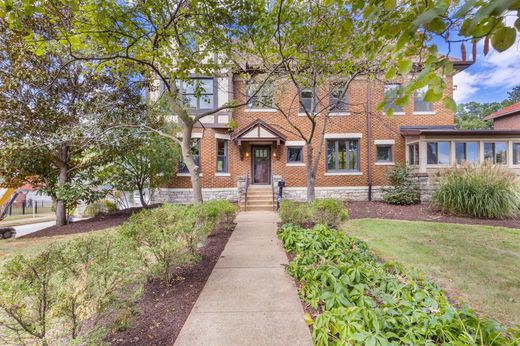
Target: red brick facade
(382, 126)
(507, 122)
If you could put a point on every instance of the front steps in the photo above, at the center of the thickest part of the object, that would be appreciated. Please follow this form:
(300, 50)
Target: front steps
(259, 197)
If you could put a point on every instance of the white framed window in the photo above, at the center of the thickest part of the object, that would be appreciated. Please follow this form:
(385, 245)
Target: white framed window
(263, 99)
(391, 94)
(342, 155)
(516, 153)
(419, 105)
(496, 152)
(466, 152)
(438, 153)
(384, 153)
(413, 154)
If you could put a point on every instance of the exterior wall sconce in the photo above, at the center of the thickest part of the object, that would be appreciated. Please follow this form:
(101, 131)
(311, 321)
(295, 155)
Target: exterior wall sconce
(274, 154)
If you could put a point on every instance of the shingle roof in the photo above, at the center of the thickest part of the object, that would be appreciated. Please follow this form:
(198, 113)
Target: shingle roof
(509, 110)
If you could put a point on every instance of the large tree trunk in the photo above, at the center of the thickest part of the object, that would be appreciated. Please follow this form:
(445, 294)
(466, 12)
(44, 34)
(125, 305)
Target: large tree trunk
(61, 208)
(190, 163)
(310, 172)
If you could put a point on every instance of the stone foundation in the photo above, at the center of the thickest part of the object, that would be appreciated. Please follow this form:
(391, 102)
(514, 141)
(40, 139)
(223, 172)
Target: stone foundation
(347, 193)
(186, 195)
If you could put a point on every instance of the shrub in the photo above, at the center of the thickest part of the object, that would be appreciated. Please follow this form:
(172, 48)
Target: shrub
(403, 189)
(478, 190)
(360, 301)
(99, 208)
(219, 211)
(328, 211)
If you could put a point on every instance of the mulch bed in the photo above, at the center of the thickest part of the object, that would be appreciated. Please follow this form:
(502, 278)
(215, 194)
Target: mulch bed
(417, 212)
(93, 224)
(163, 309)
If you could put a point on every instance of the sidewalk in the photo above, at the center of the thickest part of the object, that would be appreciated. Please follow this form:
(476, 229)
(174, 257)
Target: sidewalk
(249, 299)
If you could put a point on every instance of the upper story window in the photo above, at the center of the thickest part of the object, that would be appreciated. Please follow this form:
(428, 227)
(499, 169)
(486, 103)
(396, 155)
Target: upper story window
(198, 93)
(496, 152)
(438, 153)
(338, 100)
(466, 152)
(516, 153)
(195, 152)
(222, 156)
(419, 105)
(308, 101)
(391, 95)
(263, 99)
(342, 155)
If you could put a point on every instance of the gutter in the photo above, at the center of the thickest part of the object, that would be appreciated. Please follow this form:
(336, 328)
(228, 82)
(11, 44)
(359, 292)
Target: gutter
(369, 140)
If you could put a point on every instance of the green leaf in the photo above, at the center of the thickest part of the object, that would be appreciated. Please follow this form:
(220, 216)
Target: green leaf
(432, 95)
(405, 66)
(308, 319)
(390, 74)
(503, 38)
(517, 24)
(450, 104)
(389, 112)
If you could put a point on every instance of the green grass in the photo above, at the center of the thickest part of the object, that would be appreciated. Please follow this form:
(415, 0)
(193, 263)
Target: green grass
(478, 265)
(31, 246)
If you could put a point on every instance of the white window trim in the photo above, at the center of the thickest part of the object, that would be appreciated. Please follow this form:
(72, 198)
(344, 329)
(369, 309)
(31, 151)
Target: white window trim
(193, 135)
(342, 173)
(186, 174)
(382, 163)
(424, 113)
(338, 114)
(343, 135)
(294, 143)
(396, 113)
(222, 174)
(222, 136)
(295, 164)
(260, 110)
(384, 142)
(303, 114)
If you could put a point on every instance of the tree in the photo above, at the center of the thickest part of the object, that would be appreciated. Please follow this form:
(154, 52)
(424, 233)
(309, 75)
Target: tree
(58, 118)
(149, 165)
(168, 41)
(513, 96)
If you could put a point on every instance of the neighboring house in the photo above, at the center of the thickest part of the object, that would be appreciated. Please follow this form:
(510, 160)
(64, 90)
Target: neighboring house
(361, 145)
(507, 118)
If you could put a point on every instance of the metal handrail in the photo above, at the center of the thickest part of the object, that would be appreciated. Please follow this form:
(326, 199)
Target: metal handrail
(246, 187)
(272, 190)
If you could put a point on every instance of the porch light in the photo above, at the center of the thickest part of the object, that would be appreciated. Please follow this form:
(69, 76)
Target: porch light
(274, 154)
(247, 153)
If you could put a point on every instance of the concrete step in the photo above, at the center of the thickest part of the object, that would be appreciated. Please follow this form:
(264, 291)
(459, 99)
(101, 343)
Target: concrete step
(259, 192)
(259, 207)
(259, 202)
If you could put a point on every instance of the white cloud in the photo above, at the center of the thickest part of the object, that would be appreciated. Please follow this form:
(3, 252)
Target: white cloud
(496, 71)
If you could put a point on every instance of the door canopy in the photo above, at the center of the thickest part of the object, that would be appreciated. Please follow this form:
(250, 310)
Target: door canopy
(259, 131)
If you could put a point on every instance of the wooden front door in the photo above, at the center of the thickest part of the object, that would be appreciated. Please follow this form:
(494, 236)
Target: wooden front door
(261, 162)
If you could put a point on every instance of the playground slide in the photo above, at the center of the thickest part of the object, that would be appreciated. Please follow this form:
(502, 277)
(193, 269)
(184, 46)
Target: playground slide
(5, 195)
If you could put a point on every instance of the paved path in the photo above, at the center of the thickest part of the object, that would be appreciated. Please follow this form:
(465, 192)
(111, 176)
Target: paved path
(249, 299)
(31, 228)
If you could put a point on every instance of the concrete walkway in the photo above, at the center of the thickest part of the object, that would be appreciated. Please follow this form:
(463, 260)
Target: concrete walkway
(249, 299)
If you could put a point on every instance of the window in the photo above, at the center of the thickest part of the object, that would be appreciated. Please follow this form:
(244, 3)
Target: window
(222, 156)
(496, 152)
(195, 151)
(516, 153)
(438, 153)
(391, 94)
(419, 105)
(308, 101)
(263, 99)
(413, 154)
(198, 93)
(294, 154)
(383, 153)
(467, 152)
(342, 155)
(338, 99)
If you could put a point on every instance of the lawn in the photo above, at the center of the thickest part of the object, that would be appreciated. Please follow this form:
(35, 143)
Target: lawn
(32, 246)
(478, 265)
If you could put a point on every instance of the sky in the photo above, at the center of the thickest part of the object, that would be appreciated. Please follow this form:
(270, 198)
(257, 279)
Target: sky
(491, 77)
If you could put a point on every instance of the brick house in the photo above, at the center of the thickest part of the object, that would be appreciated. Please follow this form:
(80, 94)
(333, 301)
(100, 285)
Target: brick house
(506, 118)
(361, 142)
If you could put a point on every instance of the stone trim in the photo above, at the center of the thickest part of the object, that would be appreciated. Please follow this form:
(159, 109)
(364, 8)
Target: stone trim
(343, 135)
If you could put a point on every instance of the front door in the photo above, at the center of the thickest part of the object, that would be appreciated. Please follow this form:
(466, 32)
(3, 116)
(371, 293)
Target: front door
(261, 164)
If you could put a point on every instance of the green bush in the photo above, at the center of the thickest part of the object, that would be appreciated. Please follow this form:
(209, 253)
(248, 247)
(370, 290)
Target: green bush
(403, 189)
(483, 190)
(221, 211)
(328, 211)
(99, 208)
(361, 301)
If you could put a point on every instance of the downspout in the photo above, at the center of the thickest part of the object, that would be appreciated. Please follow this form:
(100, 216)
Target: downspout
(369, 139)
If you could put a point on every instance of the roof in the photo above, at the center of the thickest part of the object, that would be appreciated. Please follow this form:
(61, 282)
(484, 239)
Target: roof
(259, 130)
(506, 111)
(451, 131)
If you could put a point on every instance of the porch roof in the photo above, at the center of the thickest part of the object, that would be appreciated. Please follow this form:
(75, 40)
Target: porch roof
(257, 131)
(451, 131)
